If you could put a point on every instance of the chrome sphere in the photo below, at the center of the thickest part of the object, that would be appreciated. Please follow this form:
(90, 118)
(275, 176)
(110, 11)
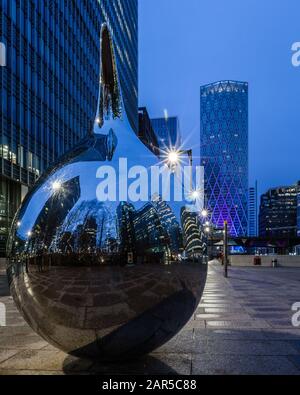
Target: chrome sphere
(106, 278)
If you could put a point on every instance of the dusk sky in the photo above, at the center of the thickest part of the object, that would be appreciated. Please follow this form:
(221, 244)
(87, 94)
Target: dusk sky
(188, 43)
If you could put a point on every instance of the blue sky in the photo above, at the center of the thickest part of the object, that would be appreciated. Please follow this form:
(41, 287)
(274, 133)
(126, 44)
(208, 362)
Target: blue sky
(184, 44)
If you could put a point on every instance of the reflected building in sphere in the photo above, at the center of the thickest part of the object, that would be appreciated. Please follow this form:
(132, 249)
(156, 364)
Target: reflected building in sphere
(193, 236)
(146, 131)
(101, 276)
(48, 86)
(167, 132)
(224, 153)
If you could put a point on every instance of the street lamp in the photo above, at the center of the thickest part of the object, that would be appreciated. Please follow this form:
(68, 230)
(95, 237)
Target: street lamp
(195, 195)
(204, 213)
(174, 158)
(207, 231)
(56, 186)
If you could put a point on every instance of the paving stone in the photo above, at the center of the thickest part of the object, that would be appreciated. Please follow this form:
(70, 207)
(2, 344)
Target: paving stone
(295, 359)
(6, 354)
(227, 316)
(35, 360)
(165, 364)
(282, 334)
(31, 342)
(286, 323)
(235, 324)
(30, 372)
(245, 347)
(242, 325)
(241, 364)
(231, 334)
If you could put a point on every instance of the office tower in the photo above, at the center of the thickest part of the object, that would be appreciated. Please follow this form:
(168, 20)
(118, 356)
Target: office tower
(252, 211)
(146, 131)
(167, 131)
(278, 212)
(224, 153)
(49, 87)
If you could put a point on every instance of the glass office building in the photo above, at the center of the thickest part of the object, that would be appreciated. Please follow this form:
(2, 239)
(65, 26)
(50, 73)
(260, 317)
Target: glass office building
(224, 153)
(49, 86)
(167, 131)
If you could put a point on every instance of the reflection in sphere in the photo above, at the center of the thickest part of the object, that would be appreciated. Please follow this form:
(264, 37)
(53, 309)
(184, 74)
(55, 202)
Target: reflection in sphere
(104, 278)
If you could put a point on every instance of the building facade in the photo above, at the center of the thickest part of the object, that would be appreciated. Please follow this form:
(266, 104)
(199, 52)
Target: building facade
(252, 212)
(167, 132)
(278, 212)
(49, 86)
(224, 153)
(298, 213)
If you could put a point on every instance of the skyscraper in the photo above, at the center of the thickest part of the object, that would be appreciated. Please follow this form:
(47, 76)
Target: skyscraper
(49, 86)
(278, 212)
(167, 131)
(224, 153)
(252, 211)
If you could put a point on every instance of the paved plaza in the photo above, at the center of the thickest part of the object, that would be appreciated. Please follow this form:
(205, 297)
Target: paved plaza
(242, 326)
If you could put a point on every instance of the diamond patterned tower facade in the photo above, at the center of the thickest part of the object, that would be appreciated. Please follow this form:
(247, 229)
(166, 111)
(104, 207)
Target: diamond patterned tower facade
(224, 153)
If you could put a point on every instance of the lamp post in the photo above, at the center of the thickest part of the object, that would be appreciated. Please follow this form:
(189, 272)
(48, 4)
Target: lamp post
(207, 229)
(226, 249)
(173, 158)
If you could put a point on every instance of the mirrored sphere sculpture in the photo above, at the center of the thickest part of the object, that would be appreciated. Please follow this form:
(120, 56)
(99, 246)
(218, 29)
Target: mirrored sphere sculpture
(106, 278)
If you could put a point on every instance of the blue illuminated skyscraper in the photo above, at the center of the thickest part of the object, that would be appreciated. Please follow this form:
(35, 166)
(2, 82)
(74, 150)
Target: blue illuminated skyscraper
(49, 87)
(224, 153)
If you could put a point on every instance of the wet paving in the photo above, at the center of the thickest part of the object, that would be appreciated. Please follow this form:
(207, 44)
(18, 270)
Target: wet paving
(243, 325)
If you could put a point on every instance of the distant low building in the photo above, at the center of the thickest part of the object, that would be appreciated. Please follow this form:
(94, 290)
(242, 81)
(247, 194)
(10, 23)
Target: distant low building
(278, 212)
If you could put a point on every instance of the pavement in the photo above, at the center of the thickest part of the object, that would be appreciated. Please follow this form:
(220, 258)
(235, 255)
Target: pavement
(243, 325)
